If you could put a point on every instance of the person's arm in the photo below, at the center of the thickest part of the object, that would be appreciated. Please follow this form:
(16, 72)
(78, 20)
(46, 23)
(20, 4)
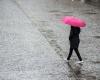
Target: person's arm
(71, 35)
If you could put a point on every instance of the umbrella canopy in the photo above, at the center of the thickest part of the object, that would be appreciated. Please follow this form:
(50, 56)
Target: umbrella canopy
(73, 21)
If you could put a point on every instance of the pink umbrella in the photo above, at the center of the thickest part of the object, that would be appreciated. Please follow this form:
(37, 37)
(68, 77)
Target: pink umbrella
(73, 21)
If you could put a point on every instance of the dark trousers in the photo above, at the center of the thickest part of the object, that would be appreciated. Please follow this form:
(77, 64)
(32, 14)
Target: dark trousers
(77, 52)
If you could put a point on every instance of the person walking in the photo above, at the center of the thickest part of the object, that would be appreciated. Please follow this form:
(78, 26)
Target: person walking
(76, 25)
(74, 42)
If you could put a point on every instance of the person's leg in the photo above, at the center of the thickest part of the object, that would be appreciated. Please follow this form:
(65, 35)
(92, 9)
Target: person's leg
(78, 54)
(70, 53)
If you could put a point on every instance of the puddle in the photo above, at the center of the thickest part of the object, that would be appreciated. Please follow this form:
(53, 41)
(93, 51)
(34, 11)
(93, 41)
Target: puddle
(54, 11)
(91, 77)
(58, 13)
(67, 12)
(97, 37)
(96, 62)
(90, 13)
(83, 1)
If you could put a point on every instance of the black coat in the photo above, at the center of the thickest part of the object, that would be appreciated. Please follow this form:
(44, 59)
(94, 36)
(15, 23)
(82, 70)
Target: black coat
(74, 37)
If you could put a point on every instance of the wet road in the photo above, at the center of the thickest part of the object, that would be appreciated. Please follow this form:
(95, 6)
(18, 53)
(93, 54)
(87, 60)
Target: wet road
(45, 15)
